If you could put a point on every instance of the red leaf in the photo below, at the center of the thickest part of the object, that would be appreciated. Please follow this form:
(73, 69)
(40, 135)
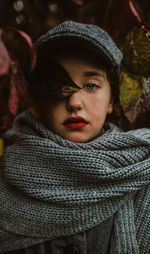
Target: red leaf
(20, 47)
(13, 98)
(121, 17)
(78, 2)
(142, 112)
(16, 48)
(4, 58)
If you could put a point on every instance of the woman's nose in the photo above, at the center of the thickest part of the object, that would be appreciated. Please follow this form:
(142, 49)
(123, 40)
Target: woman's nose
(74, 102)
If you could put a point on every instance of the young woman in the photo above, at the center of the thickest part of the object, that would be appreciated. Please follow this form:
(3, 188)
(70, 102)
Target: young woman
(71, 182)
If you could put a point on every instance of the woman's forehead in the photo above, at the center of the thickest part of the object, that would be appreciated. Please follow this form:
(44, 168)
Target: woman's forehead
(80, 66)
(83, 55)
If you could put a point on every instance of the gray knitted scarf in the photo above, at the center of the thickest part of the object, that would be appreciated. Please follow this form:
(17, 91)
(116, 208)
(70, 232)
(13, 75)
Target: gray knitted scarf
(51, 187)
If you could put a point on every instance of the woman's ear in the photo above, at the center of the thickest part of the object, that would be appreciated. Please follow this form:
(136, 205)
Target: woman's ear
(110, 106)
(33, 111)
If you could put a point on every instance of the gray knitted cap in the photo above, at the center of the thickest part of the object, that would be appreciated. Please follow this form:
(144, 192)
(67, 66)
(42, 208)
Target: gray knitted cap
(88, 36)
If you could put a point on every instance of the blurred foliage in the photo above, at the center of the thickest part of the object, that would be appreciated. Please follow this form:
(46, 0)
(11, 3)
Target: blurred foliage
(127, 21)
(1, 146)
(136, 51)
(15, 47)
(121, 17)
(130, 92)
(130, 29)
(36, 17)
(135, 78)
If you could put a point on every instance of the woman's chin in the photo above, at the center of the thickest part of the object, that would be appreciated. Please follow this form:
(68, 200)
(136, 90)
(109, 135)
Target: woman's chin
(76, 137)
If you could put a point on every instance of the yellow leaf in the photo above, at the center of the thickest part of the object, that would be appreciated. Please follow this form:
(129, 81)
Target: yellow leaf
(131, 89)
(1, 146)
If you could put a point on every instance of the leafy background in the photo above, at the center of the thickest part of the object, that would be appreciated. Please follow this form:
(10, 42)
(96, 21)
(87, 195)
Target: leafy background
(127, 21)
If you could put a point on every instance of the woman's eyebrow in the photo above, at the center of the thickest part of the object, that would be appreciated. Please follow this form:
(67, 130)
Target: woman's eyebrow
(92, 73)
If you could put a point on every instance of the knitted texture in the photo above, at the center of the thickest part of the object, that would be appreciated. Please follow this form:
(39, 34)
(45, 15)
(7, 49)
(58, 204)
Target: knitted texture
(86, 35)
(51, 187)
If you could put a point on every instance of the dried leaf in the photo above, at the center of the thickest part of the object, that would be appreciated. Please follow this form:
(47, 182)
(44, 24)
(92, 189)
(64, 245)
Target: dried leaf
(142, 111)
(20, 47)
(121, 17)
(52, 86)
(130, 91)
(134, 95)
(15, 47)
(61, 85)
(4, 58)
(78, 2)
(13, 100)
(137, 52)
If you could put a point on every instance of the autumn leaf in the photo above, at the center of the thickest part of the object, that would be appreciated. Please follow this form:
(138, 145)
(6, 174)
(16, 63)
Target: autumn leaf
(120, 17)
(15, 49)
(130, 91)
(136, 52)
(61, 85)
(141, 113)
(4, 57)
(135, 78)
(20, 47)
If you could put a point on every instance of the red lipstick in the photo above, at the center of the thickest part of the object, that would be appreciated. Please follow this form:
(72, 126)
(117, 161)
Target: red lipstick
(76, 122)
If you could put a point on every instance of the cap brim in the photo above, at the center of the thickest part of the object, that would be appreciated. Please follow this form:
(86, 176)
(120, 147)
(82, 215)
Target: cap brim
(57, 44)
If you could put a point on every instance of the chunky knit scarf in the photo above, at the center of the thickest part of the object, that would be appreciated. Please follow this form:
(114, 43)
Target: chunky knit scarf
(51, 187)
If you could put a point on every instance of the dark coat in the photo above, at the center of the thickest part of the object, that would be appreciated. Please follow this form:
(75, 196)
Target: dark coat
(92, 241)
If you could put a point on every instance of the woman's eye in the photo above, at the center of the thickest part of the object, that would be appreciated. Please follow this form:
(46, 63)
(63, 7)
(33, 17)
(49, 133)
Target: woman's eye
(91, 86)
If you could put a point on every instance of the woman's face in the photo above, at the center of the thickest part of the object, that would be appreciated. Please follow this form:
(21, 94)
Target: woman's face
(80, 117)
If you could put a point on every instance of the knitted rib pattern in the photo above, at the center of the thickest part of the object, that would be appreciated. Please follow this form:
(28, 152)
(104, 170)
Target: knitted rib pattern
(51, 187)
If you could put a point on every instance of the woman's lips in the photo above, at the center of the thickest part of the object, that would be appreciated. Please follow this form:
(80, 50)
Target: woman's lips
(75, 122)
(75, 125)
